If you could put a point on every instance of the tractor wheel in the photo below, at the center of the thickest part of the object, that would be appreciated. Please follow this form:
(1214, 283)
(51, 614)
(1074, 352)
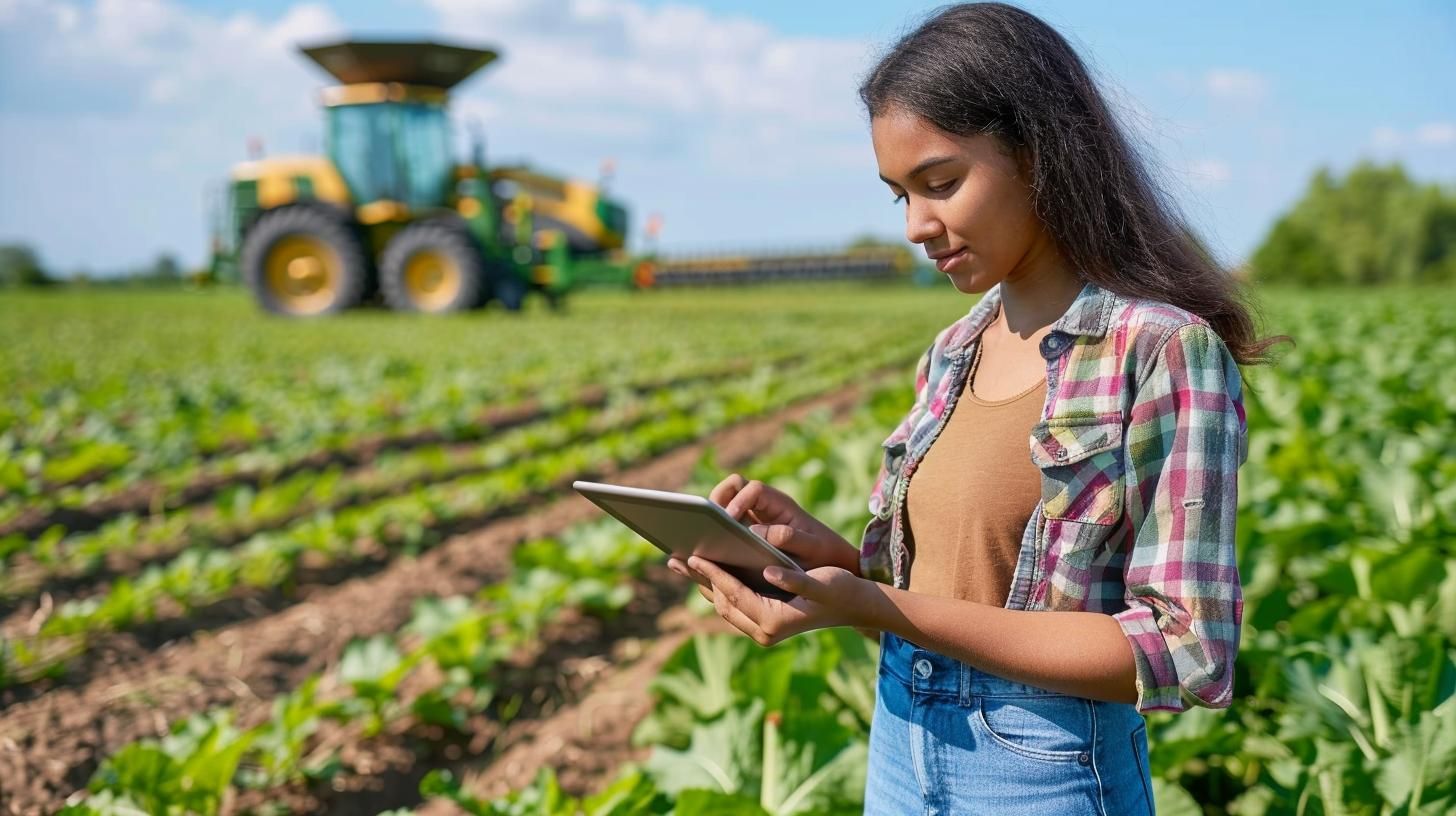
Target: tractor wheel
(303, 261)
(432, 266)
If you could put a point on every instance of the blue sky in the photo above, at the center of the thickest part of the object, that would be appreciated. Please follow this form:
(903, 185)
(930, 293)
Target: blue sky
(736, 121)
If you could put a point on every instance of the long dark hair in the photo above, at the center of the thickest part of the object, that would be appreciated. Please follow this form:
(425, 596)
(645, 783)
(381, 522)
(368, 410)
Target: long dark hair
(996, 69)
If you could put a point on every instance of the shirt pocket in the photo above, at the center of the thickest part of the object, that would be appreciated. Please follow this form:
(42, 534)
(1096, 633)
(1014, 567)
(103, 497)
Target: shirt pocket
(1081, 466)
(892, 465)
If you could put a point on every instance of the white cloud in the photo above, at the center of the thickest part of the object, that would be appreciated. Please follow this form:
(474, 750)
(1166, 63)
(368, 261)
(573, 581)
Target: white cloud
(1209, 172)
(150, 103)
(703, 111)
(727, 126)
(671, 60)
(157, 52)
(1436, 133)
(12, 10)
(1236, 85)
(1386, 137)
(1431, 134)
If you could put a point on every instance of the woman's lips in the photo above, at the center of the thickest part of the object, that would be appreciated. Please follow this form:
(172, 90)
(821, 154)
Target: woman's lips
(948, 262)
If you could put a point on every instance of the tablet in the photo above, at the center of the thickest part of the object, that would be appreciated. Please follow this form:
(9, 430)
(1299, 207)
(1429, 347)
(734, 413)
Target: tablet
(682, 524)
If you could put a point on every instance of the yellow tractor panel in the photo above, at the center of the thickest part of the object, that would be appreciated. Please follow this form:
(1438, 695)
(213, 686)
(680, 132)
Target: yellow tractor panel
(569, 203)
(276, 180)
(378, 212)
(369, 93)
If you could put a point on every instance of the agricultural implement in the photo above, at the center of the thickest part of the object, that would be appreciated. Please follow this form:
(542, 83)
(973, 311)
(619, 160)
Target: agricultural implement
(388, 214)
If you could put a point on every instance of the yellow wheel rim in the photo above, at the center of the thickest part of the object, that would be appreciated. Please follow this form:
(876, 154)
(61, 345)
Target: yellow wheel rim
(303, 274)
(432, 280)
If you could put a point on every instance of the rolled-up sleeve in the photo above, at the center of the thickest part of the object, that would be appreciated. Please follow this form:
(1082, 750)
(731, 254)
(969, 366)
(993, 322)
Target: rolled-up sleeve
(1186, 438)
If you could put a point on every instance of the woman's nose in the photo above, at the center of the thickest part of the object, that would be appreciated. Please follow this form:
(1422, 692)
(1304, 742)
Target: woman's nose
(920, 224)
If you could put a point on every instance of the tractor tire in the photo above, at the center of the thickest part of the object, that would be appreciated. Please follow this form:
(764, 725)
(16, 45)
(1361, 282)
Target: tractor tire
(303, 261)
(433, 267)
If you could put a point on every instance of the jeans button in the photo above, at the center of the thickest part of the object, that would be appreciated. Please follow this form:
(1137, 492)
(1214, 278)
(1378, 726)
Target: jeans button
(922, 668)
(1084, 758)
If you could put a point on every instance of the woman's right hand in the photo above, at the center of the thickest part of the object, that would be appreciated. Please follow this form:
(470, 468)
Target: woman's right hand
(780, 521)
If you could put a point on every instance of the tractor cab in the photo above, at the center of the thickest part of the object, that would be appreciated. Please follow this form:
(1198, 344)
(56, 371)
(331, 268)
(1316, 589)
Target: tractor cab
(387, 128)
(392, 150)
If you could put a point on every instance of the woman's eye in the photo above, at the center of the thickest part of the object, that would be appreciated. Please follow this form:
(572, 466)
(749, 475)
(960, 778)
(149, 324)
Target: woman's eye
(942, 188)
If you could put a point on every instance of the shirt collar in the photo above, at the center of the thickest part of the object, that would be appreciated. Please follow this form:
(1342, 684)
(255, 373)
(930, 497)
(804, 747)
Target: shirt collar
(1088, 316)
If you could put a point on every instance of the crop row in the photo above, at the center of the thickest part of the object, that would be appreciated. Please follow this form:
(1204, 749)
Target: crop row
(104, 398)
(1347, 552)
(245, 510)
(438, 671)
(182, 423)
(194, 479)
(405, 522)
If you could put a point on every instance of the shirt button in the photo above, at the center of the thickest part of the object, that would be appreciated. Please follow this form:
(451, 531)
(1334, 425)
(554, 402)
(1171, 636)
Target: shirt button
(922, 668)
(1060, 455)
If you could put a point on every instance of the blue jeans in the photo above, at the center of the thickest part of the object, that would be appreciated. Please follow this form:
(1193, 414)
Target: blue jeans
(951, 739)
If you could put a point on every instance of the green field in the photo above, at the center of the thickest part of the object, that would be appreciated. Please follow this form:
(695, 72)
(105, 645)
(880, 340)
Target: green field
(249, 563)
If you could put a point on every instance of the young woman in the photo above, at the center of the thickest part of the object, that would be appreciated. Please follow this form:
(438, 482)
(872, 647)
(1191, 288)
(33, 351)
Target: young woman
(1051, 551)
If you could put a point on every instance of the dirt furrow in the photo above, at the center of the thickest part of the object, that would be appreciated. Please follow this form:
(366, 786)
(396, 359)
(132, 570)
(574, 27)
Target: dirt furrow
(587, 741)
(568, 686)
(49, 746)
(29, 586)
(137, 642)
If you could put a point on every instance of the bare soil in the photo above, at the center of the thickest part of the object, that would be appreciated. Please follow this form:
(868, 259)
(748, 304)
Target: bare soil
(586, 742)
(51, 744)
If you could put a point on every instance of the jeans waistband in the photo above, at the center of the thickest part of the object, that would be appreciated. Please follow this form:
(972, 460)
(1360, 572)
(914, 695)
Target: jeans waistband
(930, 672)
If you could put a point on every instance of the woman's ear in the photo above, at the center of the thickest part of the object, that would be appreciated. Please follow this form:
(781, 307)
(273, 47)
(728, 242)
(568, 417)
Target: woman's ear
(1019, 153)
(1025, 162)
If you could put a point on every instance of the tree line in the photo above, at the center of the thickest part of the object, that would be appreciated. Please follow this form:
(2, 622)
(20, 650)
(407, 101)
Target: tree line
(1374, 225)
(21, 266)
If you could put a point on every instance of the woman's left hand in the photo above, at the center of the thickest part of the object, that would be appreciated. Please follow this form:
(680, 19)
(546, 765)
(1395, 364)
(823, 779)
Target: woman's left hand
(827, 596)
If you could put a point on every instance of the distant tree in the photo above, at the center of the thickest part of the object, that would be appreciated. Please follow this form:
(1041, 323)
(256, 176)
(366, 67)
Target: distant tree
(1435, 252)
(1376, 225)
(19, 266)
(872, 241)
(166, 269)
(1294, 253)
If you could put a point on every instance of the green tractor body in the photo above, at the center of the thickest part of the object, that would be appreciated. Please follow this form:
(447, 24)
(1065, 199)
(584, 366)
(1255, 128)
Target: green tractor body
(391, 214)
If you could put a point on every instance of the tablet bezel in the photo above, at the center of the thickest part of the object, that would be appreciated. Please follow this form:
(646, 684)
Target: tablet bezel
(601, 494)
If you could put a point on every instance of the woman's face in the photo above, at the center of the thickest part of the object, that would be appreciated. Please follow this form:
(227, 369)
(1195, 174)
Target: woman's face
(964, 200)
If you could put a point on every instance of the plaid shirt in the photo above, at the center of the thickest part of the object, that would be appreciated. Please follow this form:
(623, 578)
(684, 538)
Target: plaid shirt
(1139, 446)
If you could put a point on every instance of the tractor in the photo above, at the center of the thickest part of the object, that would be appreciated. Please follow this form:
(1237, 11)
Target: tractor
(390, 215)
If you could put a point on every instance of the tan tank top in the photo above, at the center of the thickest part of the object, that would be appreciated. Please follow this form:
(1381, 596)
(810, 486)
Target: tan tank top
(972, 496)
